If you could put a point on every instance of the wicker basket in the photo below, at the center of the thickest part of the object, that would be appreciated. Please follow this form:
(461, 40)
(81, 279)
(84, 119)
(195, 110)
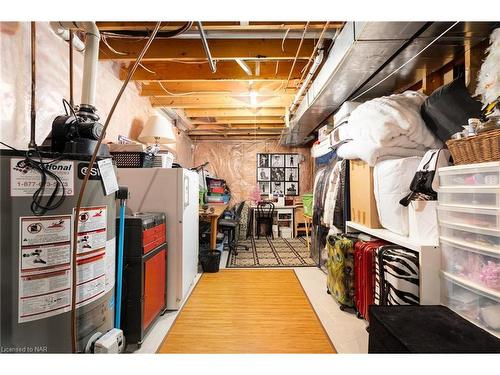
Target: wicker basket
(477, 149)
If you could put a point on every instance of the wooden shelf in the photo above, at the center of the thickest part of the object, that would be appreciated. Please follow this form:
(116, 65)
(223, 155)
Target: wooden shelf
(389, 236)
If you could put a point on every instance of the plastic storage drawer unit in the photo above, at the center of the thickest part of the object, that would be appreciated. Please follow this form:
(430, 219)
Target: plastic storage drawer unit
(479, 197)
(474, 236)
(476, 304)
(475, 265)
(482, 174)
(477, 217)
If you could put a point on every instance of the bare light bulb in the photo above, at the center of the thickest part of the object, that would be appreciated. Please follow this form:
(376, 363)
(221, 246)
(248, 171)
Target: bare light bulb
(253, 98)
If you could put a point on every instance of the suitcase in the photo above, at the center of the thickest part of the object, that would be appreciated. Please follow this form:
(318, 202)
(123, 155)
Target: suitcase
(397, 276)
(364, 275)
(340, 266)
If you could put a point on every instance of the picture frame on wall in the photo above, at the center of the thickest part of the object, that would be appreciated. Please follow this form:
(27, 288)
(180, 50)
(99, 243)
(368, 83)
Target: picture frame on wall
(291, 174)
(292, 161)
(291, 188)
(278, 173)
(263, 174)
(263, 160)
(278, 187)
(265, 187)
(277, 160)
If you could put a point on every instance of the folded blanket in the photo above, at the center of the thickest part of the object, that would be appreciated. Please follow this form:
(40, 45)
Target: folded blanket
(387, 126)
(370, 152)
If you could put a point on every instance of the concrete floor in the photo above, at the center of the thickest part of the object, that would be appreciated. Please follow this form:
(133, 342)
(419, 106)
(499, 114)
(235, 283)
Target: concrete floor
(347, 332)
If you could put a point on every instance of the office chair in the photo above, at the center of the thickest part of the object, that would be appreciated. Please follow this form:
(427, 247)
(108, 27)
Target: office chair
(265, 214)
(232, 228)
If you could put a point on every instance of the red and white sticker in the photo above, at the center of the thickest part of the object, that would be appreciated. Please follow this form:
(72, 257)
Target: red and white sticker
(44, 267)
(92, 219)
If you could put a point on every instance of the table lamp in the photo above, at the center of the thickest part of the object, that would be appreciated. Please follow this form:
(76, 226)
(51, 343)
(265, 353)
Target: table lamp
(158, 130)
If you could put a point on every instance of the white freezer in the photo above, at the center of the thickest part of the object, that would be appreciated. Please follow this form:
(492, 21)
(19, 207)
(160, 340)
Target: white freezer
(175, 192)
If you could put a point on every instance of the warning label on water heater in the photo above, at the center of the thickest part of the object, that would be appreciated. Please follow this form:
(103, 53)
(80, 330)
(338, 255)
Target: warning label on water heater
(45, 262)
(24, 180)
(91, 255)
(44, 266)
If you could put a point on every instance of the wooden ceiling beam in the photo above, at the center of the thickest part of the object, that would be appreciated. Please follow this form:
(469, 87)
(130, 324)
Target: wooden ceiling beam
(223, 101)
(234, 112)
(208, 26)
(238, 126)
(241, 120)
(214, 88)
(228, 70)
(235, 132)
(234, 138)
(192, 49)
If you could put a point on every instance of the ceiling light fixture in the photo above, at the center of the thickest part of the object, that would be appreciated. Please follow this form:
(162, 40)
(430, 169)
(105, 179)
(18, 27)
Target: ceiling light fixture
(253, 98)
(243, 65)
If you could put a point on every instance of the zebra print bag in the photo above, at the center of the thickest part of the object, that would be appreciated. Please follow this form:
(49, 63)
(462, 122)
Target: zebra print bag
(397, 276)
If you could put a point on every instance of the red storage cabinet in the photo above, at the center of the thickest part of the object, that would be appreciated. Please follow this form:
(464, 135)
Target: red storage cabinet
(144, 275)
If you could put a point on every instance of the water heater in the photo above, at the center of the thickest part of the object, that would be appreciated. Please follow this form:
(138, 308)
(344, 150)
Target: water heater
(35, 256)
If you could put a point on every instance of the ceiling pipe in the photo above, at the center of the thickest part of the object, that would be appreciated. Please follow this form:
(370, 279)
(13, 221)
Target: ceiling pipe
(211, 61)
(64, 34)
(89, 61)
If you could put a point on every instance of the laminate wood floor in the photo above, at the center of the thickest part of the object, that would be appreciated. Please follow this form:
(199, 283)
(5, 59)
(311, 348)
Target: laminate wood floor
(247, 311)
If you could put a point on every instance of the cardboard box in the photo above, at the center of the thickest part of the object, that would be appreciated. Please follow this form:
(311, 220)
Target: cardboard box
(363, 204)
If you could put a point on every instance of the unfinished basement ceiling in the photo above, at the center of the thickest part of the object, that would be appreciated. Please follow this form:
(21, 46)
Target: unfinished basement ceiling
(245, 99)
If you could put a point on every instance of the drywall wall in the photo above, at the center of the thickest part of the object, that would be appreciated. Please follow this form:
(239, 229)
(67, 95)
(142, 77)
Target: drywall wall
(52, 64)
(235, 161)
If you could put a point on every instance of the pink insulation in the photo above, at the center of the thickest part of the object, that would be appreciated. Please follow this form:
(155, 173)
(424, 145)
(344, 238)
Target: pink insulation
(52, 64)
(235, 161)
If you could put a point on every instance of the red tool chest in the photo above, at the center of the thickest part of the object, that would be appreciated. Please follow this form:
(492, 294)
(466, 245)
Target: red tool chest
(145, 274)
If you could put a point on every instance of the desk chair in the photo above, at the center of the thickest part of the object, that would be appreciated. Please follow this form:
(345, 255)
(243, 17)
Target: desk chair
(232, 228)
(265, 214)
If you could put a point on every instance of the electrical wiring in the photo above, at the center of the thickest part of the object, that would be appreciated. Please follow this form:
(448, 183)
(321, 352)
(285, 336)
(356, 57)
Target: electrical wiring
(316, 46)
(297, 54)
(227, 92)
(142, 35)
(103, 37)
(192, 92)
(55, 200)
(283, 40)
(74, 344)
(406, 63)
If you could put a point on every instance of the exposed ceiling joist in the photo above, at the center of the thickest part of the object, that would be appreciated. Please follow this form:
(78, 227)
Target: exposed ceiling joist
(211, 26)
(241, 120)
(238, 126)
(233, 88)
(223, 101)
(234, 131)
(192, 49)
(227, 70)
(234, 112)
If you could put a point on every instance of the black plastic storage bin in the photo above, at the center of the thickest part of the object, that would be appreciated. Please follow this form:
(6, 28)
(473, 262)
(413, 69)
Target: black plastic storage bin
(210, 260)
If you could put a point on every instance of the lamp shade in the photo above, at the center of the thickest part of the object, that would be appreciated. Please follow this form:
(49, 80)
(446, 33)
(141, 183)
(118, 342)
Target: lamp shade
(158, 130)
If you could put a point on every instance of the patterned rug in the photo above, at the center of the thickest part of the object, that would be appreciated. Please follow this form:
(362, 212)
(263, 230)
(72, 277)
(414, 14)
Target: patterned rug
(266, 252)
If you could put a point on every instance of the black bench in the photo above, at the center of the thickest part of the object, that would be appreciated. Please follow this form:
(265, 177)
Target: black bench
(426, 329)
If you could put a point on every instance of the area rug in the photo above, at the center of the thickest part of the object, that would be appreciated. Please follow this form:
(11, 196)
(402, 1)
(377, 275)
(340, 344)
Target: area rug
(267, 252)
(247, 311)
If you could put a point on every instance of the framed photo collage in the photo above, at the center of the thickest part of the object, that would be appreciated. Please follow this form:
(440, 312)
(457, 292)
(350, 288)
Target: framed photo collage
(278, 173)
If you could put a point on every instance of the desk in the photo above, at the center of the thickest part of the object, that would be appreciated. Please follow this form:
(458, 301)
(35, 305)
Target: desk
(279, 210)
(219, 208)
